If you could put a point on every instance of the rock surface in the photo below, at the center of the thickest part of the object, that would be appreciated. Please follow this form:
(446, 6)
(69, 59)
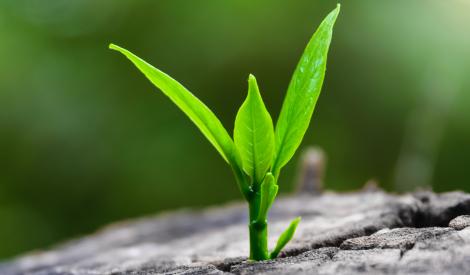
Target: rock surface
(355, 233)
(460, 222)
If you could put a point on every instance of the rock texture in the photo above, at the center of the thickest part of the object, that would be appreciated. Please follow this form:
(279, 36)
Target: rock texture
(460, 222)
(356, 233)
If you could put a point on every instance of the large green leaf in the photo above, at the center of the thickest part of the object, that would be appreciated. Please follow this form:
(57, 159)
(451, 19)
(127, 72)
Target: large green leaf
(254, 134)
(302, 93)
(197, 111)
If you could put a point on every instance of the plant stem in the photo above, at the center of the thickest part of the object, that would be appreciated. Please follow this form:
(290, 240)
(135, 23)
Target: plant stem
(258, 231)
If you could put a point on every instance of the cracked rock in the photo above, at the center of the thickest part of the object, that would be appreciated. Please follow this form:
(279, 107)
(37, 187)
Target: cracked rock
(401, 238)
(354, 233)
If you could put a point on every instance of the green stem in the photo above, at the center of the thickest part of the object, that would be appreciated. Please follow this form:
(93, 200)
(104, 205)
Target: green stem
(258, 231)
(242, 182)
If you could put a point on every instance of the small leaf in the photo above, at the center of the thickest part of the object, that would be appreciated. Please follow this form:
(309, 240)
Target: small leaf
(197, 111)
(285, 237)
(254, 134)
(302, 94)
(268, 190)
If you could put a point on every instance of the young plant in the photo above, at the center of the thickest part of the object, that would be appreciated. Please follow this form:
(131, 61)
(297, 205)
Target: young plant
(257, 152)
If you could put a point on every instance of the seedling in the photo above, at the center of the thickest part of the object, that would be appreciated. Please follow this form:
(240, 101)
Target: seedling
(257, 151)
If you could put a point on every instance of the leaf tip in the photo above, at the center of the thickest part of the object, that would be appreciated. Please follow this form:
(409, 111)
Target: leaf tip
(112, 46)
(117, 48)
(251, 78)
(252, 85)
(269, 175)
(336, 11)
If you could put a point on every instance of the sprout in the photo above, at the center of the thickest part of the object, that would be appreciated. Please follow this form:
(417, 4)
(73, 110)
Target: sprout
(258, 151)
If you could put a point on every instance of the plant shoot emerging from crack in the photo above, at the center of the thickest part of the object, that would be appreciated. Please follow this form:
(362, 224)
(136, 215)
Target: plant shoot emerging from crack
(258, 150)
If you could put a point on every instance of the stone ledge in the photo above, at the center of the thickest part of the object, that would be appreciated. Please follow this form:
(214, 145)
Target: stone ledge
(354, 233)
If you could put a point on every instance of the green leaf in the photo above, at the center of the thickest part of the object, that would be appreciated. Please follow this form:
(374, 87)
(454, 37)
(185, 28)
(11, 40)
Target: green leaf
(268, 190)
(302, 94)
(285, 237)
(254, 134)
(197, 111)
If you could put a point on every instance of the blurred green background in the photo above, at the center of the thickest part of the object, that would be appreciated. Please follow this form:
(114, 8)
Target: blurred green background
(86, 140)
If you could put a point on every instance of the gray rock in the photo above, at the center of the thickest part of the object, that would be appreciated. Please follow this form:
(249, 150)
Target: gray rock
(399, 238)
(460, 222)
(355, 233)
